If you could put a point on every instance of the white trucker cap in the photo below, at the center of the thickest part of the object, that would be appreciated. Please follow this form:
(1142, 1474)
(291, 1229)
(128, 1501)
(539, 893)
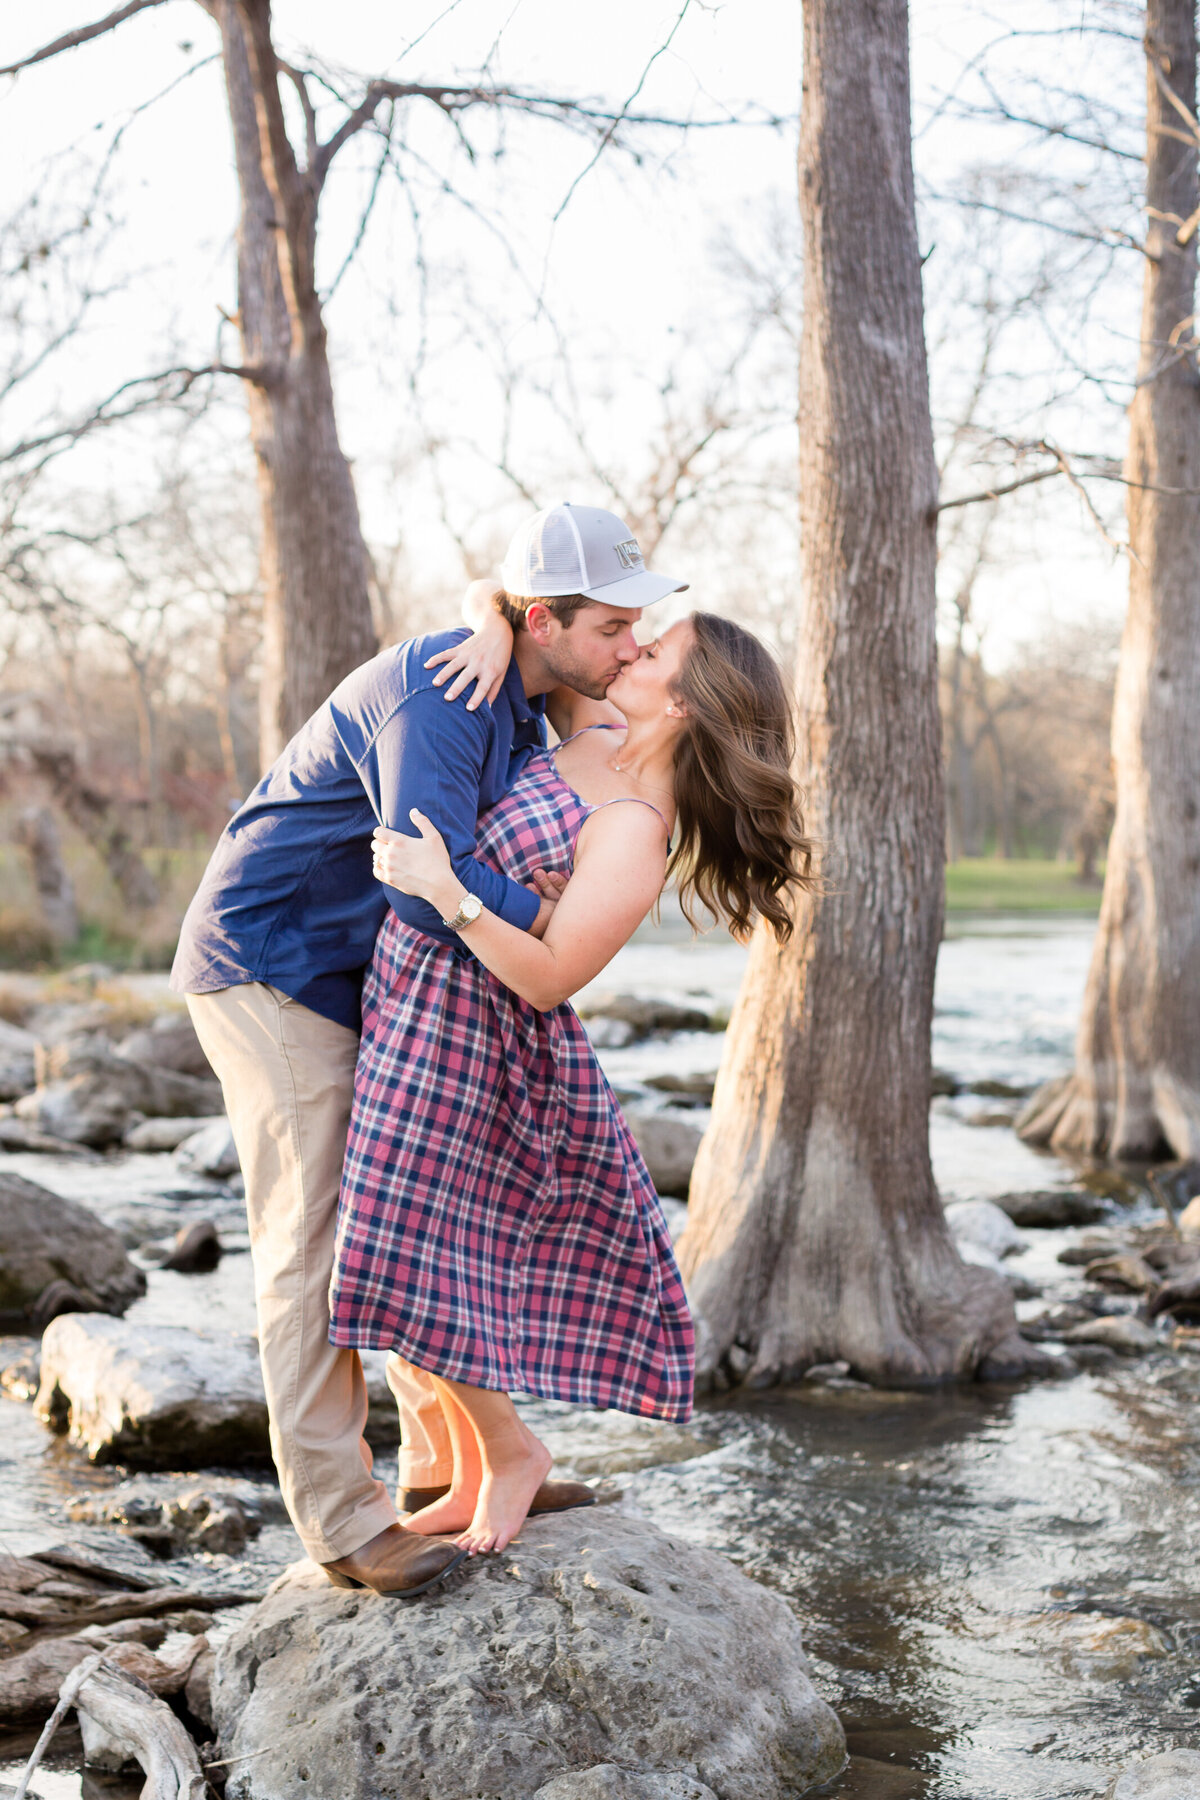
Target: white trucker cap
(569, 549)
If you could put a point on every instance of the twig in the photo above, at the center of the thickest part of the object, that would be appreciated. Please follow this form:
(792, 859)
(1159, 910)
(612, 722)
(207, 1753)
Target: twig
(66, 1700)
(994, 493)
(84, 35)
(247, 1755)
(607, 136)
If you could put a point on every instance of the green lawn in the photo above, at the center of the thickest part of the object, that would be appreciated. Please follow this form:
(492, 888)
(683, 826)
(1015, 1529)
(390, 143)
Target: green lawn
(990, 884)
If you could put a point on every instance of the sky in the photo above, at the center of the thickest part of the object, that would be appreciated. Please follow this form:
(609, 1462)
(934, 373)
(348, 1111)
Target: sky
(471, 272)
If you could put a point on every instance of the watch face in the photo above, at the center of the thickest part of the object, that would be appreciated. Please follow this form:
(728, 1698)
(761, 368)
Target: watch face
(472, 906)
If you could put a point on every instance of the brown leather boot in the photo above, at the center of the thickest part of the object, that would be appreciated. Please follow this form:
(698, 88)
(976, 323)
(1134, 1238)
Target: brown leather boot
(396, 1562)
(552, 1496)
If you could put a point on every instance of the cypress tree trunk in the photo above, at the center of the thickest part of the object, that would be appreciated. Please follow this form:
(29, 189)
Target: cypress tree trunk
(815, 1229)
(1135, 1090)
(316, 608)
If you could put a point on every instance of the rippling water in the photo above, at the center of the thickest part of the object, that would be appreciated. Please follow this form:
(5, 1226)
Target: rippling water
(998, 1587)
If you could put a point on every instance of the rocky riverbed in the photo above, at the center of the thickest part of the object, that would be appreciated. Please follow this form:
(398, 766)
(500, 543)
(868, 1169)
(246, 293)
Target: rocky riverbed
(996, 1588)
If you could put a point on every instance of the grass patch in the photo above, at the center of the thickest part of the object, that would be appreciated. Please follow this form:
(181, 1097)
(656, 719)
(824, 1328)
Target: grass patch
(1020, 884)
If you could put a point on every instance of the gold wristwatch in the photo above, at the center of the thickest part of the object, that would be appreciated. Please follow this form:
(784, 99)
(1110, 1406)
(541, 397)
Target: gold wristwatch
(469, 909)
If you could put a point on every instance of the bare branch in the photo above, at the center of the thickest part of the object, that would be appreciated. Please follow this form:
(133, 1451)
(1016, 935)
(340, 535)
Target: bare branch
(607, 137)
(995, 493)
(1114, 237)
(296, 77)
(72, 39)
(167, 386)
(454, 100)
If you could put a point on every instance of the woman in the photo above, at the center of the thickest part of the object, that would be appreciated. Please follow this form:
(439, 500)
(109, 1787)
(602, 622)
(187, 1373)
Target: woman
(498, 1226)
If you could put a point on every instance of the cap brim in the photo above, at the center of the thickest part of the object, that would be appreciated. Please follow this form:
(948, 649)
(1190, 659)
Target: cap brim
(642, 588)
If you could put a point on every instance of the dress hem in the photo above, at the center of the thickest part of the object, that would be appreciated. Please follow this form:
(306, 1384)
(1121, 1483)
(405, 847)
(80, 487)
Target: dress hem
(451, 1369)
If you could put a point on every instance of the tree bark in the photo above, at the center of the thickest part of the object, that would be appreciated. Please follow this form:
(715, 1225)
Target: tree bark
(1135, 1090)
(815, 1228)
(38, 835)
(316, 607)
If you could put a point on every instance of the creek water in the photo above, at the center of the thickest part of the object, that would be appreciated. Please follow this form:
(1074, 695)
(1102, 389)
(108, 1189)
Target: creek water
(997, 1586)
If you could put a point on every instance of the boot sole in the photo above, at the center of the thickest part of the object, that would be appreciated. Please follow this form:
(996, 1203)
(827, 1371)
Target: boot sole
(407, 1593)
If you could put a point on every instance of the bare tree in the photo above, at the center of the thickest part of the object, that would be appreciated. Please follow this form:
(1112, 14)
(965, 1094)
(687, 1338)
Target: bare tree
(317, 620)
(815, 1230)
(1135, 1090)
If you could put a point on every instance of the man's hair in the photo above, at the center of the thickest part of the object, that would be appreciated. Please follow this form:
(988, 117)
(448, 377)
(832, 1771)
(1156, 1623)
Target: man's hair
(513, 607)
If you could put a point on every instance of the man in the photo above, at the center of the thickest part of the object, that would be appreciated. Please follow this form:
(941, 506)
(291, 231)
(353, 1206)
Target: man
(272, 955)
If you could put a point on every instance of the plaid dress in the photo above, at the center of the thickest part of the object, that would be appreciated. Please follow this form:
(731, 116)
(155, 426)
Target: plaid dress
(497, 1224)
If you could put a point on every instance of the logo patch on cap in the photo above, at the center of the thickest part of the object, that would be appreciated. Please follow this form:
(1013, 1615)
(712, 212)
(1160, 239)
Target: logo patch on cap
(628, 554)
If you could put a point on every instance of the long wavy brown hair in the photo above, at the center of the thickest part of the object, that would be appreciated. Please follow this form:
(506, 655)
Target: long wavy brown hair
(742, 845)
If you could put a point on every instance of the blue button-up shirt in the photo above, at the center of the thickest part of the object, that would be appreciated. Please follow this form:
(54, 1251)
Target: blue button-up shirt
(288, 896)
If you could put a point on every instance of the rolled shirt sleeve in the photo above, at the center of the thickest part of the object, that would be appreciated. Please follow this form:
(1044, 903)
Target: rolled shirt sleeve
(432, 756)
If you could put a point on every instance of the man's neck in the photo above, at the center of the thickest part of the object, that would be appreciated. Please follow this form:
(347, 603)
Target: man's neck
(535, 676)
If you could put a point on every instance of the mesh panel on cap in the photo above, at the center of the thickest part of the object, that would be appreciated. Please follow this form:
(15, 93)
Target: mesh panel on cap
(554, 551)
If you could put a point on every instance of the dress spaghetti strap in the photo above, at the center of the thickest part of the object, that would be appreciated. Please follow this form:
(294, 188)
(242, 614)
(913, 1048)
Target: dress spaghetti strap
(630, 800)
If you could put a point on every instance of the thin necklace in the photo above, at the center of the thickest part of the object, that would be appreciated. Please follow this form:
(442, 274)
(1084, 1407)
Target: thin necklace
(652, 785)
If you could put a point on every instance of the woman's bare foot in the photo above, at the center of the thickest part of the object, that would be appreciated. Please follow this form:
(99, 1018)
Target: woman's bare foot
(514, 1473)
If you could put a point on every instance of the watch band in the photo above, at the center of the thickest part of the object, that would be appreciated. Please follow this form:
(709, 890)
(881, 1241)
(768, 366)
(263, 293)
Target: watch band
(469, 909)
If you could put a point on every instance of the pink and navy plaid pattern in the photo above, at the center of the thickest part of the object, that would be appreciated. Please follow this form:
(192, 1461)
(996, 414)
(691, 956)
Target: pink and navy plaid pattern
(497, 1223)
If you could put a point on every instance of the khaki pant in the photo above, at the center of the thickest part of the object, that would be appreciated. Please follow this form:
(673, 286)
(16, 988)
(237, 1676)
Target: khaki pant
(287, 1075)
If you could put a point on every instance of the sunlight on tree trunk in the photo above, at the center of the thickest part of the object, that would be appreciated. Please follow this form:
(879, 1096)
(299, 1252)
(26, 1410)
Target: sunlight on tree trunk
(815, 1228)
(1135, 1091)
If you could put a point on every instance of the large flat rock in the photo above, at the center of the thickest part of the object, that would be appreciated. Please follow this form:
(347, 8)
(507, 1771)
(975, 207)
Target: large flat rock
(595, 1637)
(44, 1238)
(153, 1396)
(169, 1396)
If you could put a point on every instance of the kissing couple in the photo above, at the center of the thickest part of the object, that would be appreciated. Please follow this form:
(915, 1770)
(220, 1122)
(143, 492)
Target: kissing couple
(379, 962)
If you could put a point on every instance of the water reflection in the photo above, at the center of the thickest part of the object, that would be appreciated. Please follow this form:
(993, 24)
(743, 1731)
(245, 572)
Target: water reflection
(997, 1589)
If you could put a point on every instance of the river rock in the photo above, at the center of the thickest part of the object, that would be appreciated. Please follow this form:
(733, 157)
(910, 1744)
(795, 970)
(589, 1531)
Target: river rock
(982, 1224)
(154, 1396)
(168, 1042)
(1121, 1332)
(1175, 1775)
(88, 1093)
(1050, 1325)
(594, 1632)
(158, 1135)
(181, 1518)
(209, 1151)
(645, 1017)
(1000, 1090)
(53, 1020)
(18, 1050)
(1091, 1246)
(1189, 1218)
(610, 1034)
(46, 1239)
(1128, 1273)
(197, 1249)
(609, 1782)
(1181, 1298)
(668, 1139)
(686, 1090)
(1052, 1207)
